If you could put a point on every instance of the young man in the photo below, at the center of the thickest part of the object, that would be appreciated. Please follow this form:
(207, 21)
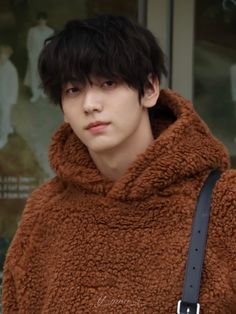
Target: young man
(110, 233)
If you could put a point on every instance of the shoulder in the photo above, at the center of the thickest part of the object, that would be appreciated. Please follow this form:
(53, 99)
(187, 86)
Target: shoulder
(224, 208)
(224, 218)
(224, 194)
(45, 194)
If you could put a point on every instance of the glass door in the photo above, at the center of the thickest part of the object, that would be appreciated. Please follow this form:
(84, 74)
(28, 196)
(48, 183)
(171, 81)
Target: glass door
(214, 80)
(204, 63)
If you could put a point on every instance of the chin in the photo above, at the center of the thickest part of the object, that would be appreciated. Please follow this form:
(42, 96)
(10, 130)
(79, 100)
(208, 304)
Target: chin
(102, 148)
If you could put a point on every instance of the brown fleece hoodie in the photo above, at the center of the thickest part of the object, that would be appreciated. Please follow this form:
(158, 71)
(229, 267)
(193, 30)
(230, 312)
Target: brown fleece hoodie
(87, 245)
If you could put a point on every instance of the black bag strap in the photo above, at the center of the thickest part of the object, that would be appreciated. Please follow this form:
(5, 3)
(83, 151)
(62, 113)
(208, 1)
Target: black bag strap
(189, 302)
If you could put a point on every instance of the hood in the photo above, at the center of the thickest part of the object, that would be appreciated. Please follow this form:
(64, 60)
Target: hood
(183, 147)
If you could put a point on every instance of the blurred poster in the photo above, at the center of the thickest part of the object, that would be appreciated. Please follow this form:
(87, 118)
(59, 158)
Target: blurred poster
(27, 118)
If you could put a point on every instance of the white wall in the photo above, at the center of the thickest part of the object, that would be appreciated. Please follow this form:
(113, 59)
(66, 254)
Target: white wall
(158, 21)
(159, 24)
(183, 41)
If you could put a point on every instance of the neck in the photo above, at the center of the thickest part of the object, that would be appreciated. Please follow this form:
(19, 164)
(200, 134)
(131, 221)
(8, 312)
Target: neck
(113, 164)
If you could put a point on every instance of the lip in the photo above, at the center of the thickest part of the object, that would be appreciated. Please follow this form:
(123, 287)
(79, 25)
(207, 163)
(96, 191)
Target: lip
(97, 126)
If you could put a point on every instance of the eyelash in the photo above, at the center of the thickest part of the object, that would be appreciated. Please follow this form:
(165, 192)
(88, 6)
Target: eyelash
(75, 90)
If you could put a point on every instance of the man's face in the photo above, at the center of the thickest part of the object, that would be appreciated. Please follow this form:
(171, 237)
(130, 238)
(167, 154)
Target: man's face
(105, 115)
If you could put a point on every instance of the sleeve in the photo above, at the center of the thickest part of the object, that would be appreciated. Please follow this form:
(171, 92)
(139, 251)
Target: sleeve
(15, 267)
(13, 286)
(9, 297)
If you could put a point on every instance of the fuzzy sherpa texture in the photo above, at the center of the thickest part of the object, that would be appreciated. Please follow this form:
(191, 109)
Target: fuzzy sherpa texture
(87, 245)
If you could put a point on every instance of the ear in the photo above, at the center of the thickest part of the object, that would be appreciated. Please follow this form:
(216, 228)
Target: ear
(151, 92)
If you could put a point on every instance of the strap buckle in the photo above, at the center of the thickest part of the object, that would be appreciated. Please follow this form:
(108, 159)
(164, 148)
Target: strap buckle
(188, 308)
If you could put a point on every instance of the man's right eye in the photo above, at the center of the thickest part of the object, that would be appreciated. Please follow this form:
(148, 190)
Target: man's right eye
(72, 91)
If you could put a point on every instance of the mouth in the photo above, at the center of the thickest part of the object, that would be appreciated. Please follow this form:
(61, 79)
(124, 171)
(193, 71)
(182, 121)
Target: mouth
(96, 124)
(96, 127)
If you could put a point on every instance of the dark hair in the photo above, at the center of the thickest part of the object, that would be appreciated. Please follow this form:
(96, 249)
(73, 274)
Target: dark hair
(41, 16)
(108, 46)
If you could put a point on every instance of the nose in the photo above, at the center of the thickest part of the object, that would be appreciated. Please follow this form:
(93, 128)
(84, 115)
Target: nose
(92, 102)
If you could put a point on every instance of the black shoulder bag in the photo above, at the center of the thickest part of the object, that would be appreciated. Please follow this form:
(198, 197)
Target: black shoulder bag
(189, 302)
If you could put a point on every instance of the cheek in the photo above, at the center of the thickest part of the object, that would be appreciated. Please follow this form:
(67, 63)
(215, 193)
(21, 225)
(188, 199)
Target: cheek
(70, 114)
(127, 108)
(73, 120)
(130, 119)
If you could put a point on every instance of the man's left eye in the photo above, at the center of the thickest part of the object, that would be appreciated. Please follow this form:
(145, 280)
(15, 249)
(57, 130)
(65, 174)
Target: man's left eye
(108, 83)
